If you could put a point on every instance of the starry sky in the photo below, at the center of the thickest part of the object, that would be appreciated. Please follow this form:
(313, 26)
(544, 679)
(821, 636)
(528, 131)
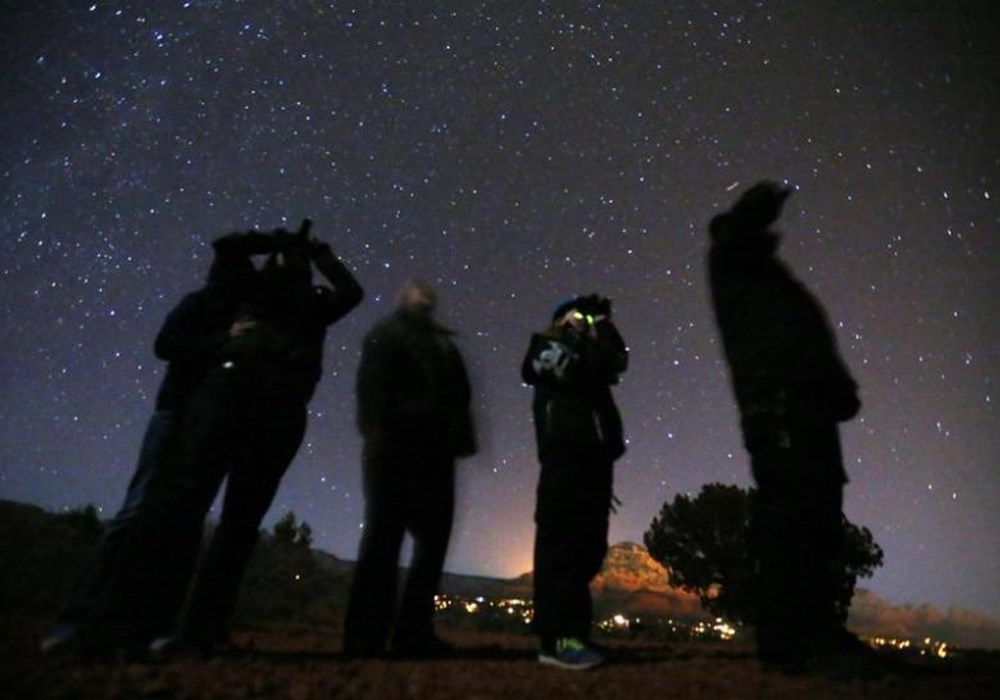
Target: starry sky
(516, 154)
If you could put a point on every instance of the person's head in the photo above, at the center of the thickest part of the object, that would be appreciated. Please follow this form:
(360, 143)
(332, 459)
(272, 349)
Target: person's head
(747, 225)
(417, 297)
(231, 276)
(582, 311)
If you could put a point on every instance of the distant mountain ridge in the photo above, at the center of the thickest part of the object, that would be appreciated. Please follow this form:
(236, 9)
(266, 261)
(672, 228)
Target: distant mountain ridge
(49, 548)
(42, 552)
(628, 567)
(630, 582)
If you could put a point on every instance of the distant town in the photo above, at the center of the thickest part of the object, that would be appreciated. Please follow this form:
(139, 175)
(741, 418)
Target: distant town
(515, 614)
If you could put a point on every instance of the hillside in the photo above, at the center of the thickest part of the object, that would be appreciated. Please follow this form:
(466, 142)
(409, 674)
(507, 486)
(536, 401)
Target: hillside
(43, 551)
(289, 638)
(633, 583)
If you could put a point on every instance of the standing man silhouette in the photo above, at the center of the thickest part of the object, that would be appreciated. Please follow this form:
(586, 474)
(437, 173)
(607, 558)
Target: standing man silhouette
(414, 415)
(792, 389)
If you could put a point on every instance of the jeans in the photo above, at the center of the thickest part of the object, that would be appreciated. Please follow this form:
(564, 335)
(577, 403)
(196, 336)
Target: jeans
(571, 540)
(244, 433)
(97, 572)
(405, 491)
(796, 540)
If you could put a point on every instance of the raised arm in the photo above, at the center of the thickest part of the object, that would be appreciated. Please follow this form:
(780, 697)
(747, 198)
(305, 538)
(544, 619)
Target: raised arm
(345, 294)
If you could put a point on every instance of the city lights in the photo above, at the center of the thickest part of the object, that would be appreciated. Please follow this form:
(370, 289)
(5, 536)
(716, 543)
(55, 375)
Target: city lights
(515, 614)
(515, 608)
(925, 647)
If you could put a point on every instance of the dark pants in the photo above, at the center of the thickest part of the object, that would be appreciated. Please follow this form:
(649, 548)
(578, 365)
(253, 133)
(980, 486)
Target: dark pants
(796, 541)
(405, 492)
(571, 540)
(101, 565)
(245, 433)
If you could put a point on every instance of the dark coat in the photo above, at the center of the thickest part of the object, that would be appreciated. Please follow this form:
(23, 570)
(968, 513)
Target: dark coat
(195, 332)
(413, 389)
(283, 352)
(574, 412)
(786, 371)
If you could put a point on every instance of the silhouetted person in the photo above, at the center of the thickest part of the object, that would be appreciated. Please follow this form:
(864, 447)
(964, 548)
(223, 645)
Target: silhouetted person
(414, 415)
(578, 429)
(191, 335)
(792, 389)
(244, 424)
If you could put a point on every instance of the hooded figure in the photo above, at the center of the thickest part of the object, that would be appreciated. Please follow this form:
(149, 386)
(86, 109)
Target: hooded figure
(792, 389)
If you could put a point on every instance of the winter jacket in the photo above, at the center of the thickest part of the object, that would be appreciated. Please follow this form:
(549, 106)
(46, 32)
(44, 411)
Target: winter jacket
(574, 412)
(283, 351)
(413, 389)
(786, 370)
(195, 332)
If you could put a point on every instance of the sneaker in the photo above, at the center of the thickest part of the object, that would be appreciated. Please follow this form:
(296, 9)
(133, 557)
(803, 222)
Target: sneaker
(570, 654)
(164, 648)
(64, 637)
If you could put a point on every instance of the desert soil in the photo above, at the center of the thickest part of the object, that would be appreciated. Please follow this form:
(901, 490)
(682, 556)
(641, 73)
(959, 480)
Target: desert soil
(303, 663)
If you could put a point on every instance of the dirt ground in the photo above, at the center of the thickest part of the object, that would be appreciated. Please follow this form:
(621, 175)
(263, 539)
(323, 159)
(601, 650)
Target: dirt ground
(303, 663)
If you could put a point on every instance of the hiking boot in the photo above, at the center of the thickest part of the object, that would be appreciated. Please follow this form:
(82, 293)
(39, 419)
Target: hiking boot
(570, 654)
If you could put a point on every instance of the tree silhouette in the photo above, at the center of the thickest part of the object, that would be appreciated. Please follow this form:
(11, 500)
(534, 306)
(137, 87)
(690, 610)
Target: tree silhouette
(861, 557)
(703, 541)
(289, 531)
(283, 578)
(42, 553)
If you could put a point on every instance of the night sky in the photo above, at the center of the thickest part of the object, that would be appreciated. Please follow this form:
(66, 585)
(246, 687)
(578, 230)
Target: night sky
(516, 154)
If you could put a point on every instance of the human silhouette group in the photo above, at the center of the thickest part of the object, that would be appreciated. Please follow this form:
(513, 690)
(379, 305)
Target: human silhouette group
(244, 355)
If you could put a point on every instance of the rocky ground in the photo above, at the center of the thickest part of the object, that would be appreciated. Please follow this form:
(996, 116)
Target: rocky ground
(301, 663)
(41, 553)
